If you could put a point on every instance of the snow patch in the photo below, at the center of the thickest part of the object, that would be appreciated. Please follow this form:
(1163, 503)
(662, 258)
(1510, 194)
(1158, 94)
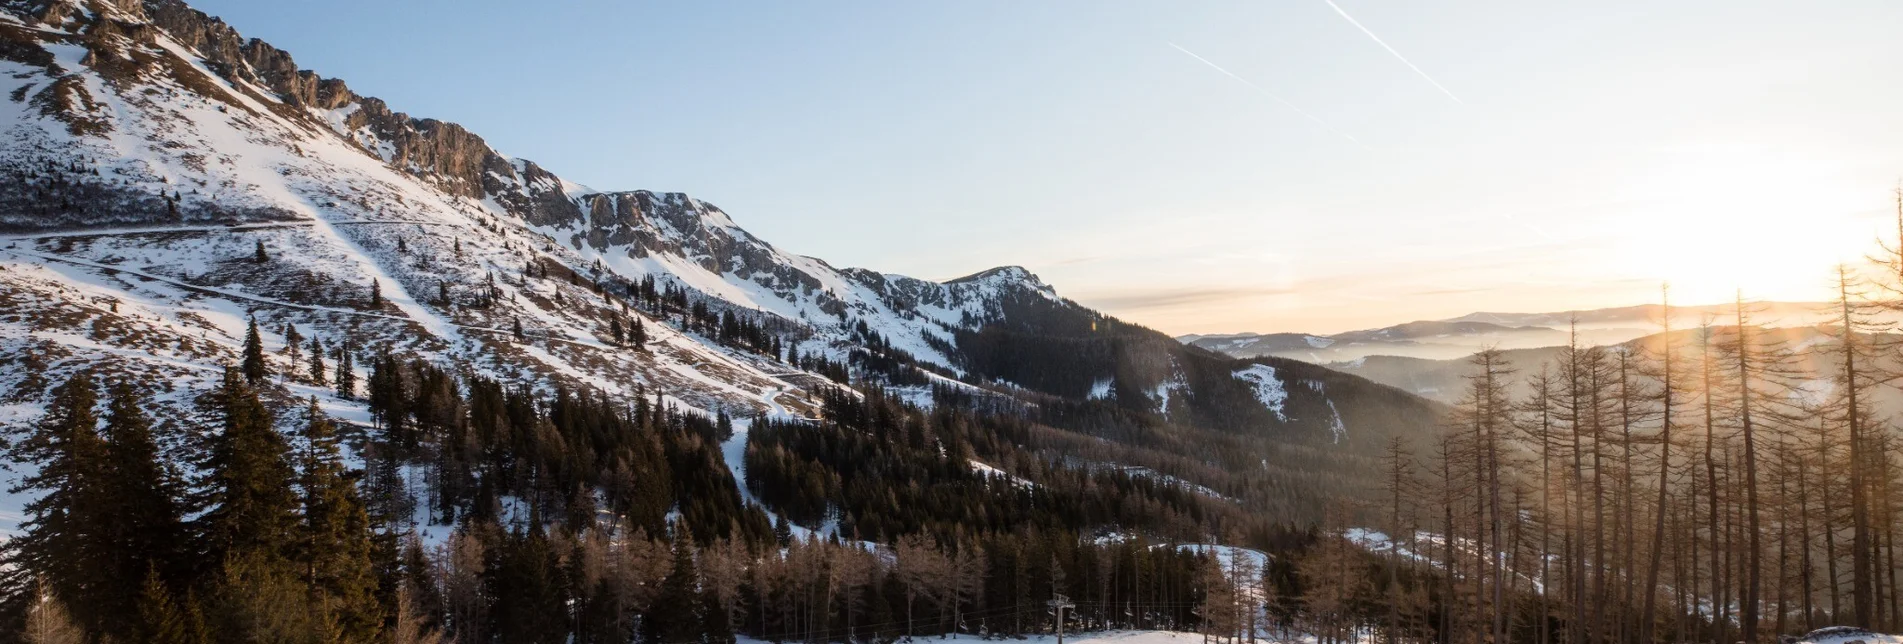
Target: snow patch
(1268, 387)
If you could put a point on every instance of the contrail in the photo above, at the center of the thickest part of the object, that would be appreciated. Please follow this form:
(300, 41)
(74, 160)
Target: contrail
(1397, 55)
(1269, 94)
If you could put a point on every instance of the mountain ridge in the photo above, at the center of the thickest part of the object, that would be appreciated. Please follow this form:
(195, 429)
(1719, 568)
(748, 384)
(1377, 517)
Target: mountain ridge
(155, 146)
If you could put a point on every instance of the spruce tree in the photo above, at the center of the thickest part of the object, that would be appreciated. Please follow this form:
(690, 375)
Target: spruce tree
(335, 543)
(249, 507)
(62, 538)
(317, 362)
(716, 626)
(376, 294)
(346, 374)
(674, 615)
(146, 533)
(259, 256)
(255, 368)
(525, 578)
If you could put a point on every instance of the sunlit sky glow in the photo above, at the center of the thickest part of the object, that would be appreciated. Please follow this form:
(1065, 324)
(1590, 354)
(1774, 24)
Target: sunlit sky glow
(1299, 176)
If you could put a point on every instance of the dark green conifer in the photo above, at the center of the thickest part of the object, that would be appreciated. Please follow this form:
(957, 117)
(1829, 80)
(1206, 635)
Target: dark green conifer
(346, 374)
(255, 368)
(675, 614)
(249, 507)
(62, 540)
(146, 531)
(317, 374)
(335, 545)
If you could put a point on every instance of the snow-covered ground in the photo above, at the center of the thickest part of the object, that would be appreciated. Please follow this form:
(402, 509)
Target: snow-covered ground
(1123, 637)
(996, 473)
(1847, 635)
(1268, 388)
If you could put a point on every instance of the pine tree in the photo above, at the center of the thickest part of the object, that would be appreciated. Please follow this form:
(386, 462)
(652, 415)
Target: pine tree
(63, 538)
(376, 294)
(335, 545)
(259, 256)
(518, 329)
(318, 377)
(249, 507)
(255, 368)
(615, 330)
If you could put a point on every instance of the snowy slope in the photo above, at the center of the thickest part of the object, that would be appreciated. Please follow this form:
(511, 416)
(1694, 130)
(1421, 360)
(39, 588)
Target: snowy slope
(152, 150)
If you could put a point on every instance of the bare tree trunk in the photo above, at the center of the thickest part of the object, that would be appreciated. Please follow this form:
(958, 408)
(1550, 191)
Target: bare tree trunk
(1648, 617)
(1748, 614)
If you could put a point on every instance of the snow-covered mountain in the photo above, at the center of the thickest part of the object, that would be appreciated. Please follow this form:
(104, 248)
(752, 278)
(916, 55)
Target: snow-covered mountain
(170, 180)
(151, 151)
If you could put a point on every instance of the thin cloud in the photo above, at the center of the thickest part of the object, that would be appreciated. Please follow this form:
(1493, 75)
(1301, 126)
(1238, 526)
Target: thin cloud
(1265, 92)
(1456, 291)
(1154, 299)
(1397, 55)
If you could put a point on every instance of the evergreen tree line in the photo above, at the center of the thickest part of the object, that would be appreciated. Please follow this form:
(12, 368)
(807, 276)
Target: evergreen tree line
(219, 529)
(843, 470)
(481, 446)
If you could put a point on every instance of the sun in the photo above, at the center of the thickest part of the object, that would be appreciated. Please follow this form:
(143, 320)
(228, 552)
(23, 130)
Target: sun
(1717, 219)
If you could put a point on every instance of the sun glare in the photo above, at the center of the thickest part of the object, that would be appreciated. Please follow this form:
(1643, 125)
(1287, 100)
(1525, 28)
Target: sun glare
(1712, 219)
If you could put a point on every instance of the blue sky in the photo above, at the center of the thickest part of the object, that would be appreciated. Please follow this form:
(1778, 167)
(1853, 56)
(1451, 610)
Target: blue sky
(1579, 155)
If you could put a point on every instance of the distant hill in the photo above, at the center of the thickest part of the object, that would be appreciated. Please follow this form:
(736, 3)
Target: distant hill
(1458, 337)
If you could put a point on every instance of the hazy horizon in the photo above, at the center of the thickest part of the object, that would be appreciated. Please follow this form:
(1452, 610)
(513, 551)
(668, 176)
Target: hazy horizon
(1211, 168)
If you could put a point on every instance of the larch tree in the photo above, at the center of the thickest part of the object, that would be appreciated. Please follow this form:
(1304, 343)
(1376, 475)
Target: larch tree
(1671, 394)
